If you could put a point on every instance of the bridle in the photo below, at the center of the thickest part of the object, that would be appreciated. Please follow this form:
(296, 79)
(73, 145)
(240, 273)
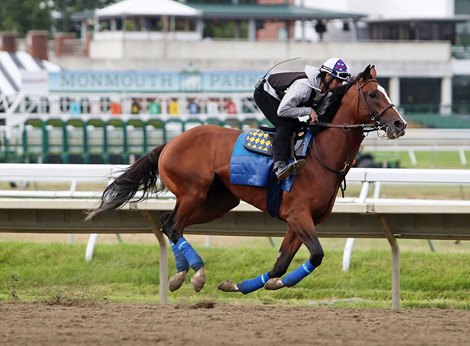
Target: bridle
(374, 116)
(375, 125)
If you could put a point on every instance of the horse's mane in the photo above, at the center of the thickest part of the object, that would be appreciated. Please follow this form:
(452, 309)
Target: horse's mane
(335, 103)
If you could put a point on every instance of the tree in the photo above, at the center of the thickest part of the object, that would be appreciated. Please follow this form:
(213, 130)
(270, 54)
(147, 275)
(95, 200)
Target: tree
(52, 15)
(63, 10)
(24, 15)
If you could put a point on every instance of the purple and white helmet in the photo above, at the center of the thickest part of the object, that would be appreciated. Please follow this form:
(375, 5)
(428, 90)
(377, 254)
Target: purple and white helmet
(337, 68)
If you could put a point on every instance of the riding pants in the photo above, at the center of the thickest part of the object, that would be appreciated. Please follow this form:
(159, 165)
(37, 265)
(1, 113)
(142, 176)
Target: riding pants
(285, 127)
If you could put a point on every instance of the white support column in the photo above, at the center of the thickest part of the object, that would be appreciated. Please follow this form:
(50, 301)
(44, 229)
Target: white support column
(96, 24)
(395, 261)
(446, 95)
(90, 247)
(394, 90)
(83, 31)
(200, 27)
(412, 157)
(347, 252)
(303, 37)
(163, 255)
(251, 30)
(354, 31)
(348, 247)
(463, 159)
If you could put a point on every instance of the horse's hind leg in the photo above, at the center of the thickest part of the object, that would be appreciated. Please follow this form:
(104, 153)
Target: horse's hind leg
(218, 201)
(182, 264)
(185, 255)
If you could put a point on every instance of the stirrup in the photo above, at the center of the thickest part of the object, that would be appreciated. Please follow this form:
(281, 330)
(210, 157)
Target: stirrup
(282, 169)
(297, 165)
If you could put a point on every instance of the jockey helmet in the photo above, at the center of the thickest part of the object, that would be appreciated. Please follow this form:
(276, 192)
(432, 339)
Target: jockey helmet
(337, 68)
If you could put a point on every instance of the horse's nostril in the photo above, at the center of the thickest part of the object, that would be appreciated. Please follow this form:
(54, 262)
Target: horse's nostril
(400, 125)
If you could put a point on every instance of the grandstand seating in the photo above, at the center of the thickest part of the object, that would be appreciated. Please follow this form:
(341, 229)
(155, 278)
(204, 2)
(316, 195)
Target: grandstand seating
(115, 140)
(77, 134)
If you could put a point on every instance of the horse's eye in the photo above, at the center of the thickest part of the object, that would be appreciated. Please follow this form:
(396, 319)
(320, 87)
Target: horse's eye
(373, 94)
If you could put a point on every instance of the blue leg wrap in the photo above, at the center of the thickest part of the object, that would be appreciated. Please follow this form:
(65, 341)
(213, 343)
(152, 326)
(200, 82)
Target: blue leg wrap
(294, 277)
(181, 263)
(195, 261)
(251, 285)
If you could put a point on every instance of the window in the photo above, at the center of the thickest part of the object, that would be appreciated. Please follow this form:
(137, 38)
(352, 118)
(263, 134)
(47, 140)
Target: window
(461, 94)
(420, 95)
(385, 82)
(462, 7)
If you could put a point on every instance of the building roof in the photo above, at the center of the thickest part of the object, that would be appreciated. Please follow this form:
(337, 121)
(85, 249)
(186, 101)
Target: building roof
(128, 8)
(217, 11)
(12, 65)
(83, 15)
(452, 19)
(290, 12)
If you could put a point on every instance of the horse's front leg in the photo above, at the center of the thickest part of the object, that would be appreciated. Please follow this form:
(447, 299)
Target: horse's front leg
(289, 247)
(305, 230)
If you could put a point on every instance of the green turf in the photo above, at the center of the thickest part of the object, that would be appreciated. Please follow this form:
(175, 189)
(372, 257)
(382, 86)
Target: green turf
(58, 273)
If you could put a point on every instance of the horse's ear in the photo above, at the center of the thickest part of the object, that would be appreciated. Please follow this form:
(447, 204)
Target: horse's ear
(366, 74)
(373, 72)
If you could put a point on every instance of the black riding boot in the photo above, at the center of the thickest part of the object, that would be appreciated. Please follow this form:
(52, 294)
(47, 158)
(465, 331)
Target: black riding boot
(281, 153)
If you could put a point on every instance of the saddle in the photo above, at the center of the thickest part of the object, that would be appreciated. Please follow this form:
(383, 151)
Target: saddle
(251, 162)
(260, 141)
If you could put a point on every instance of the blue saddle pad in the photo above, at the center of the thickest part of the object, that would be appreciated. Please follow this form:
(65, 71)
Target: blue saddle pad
(250, 168)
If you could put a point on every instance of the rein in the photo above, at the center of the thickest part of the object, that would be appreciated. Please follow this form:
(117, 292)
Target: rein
(375, 126)
(346, 127)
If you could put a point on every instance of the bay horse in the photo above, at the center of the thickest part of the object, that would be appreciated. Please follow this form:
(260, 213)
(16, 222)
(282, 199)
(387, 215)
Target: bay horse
(195, 167)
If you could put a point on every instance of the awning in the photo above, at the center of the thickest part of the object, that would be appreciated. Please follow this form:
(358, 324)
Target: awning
(12, 65)
(148, 8)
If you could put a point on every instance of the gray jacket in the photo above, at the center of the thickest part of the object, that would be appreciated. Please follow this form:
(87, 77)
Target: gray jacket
(299, 92)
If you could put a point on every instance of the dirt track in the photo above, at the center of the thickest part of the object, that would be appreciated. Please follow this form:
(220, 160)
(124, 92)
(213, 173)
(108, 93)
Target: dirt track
(206, 323)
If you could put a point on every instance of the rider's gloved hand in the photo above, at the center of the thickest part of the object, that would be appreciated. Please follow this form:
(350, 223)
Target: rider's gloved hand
(313, 117)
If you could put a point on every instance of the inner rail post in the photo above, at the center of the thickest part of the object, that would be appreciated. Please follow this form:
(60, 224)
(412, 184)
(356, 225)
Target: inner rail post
(395, 261)
(163, 255)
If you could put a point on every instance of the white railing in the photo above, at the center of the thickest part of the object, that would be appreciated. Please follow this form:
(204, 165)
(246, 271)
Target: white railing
(422, 140)
(62, 211)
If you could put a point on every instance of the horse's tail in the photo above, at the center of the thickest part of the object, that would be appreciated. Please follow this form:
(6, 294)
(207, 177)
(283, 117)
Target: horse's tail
(142, 175)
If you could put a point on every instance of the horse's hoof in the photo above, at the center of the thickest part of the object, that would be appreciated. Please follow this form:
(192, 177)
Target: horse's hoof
(177, 280)
(199, 279)
(274, 284)
(228, 286)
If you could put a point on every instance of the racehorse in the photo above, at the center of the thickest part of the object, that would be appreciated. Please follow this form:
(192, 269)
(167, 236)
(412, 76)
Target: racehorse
(195, 167)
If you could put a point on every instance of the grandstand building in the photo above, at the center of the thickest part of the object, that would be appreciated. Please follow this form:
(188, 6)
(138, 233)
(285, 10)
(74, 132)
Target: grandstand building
(198, 60)
(420, 51)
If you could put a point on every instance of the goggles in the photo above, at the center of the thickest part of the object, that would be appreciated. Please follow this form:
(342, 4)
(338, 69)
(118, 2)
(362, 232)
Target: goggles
(340, 75)
(343, 75)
